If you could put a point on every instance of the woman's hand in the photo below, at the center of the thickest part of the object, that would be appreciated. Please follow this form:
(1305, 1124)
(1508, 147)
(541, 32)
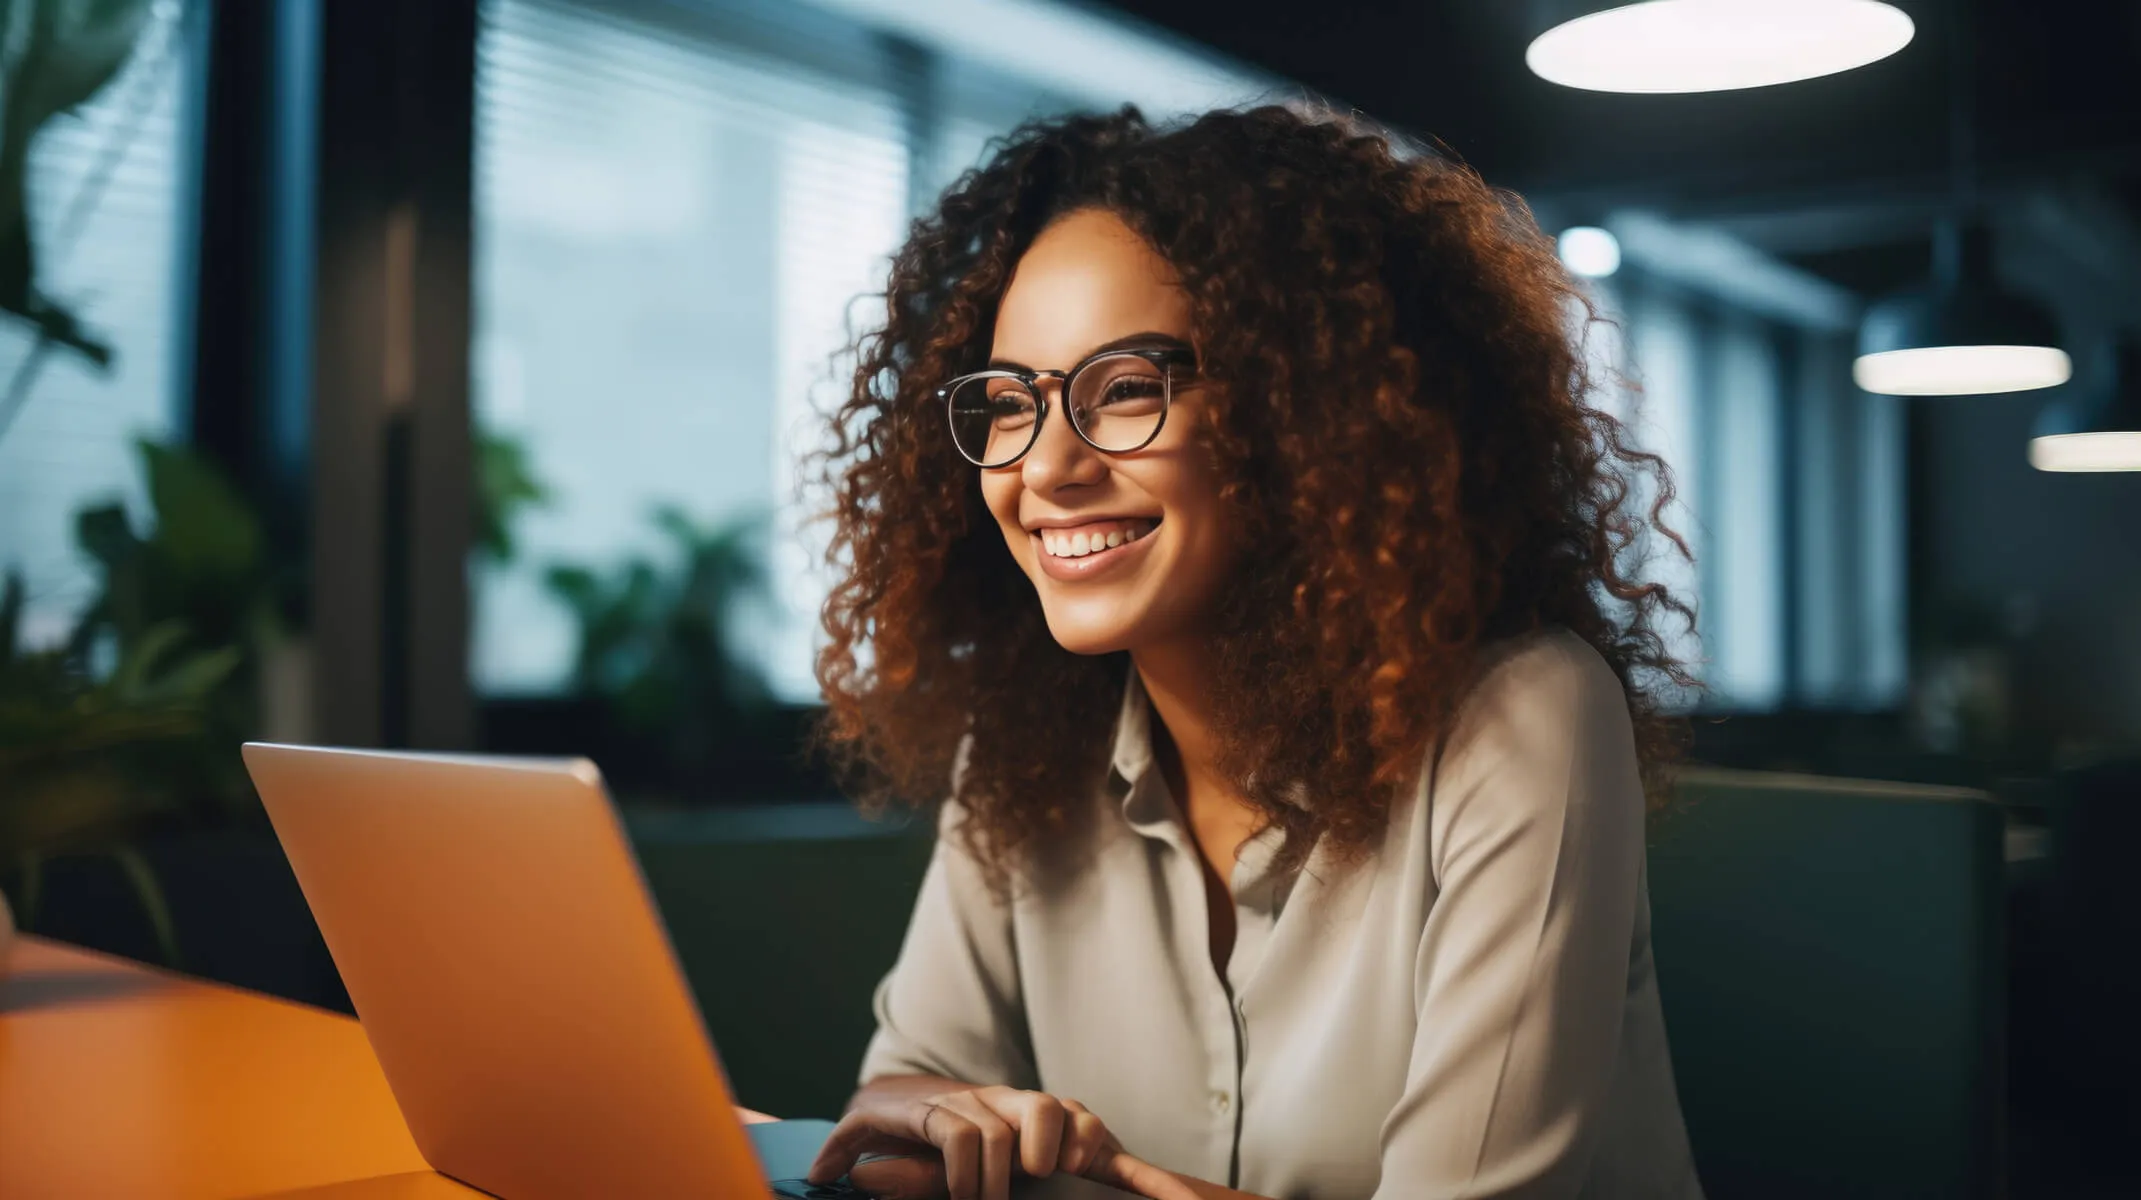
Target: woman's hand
(966, 1144)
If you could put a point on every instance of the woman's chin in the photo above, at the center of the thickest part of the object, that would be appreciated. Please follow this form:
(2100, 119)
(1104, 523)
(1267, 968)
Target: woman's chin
(1088, 637)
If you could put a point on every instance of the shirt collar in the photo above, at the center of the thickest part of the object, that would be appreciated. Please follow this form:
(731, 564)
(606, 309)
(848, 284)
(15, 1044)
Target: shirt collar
(1148, 808)
(1143, 800)
(1131, 755)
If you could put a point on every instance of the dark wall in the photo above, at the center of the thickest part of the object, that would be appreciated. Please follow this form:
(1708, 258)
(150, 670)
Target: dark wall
(2061, 551)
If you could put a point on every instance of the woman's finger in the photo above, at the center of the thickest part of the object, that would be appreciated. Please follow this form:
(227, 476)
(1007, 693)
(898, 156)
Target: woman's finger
(1121, 1170)
(1039, 1119)
(1084, 1138)
(860, 1132)
(999, 1144)
(959, 1141)
(917, 1178)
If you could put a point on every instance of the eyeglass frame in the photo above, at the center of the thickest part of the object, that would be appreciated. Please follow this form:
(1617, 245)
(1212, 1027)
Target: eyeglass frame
(1162, 357)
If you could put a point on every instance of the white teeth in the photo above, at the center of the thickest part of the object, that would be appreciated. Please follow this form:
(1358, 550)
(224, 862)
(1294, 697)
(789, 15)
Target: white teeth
(1079, 545)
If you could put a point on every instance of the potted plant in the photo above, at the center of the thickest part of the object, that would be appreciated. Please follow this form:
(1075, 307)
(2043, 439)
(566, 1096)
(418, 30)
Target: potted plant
(85, 760)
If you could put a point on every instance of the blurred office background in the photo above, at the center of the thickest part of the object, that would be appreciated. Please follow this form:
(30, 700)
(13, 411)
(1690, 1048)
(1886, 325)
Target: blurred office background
(426, 374)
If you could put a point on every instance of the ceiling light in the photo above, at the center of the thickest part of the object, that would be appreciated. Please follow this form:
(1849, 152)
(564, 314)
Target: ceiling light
(1711, 45)
(2101, 433)
(1589, 251)
(1964, 335)
(1961, 370)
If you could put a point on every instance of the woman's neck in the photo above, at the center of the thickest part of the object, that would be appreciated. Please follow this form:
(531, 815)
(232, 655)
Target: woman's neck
(1185, 748)
(1185, 742)
(1177, 679)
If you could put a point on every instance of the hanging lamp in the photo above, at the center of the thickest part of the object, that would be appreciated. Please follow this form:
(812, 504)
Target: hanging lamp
(2098, 432)
(1964, 334)
(1708, 45)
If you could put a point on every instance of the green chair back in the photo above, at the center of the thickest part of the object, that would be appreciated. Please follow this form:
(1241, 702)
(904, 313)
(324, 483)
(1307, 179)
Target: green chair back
(784, 933)
(1830, 956)
(1829, 953)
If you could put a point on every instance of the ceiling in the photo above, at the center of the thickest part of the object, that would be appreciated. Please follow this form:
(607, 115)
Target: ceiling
(1842, 175)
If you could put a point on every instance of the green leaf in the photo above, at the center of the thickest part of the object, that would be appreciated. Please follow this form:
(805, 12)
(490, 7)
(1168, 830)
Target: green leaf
(149, 673)
(204, 528)
(678, 525)
(154, 904)
(83, 726)
(69, 806)
(10, 617)
(32, 895)
(576, 586)
(105, 534)
(657, 639)
(191, 680)
(141, 656)
(505, 485)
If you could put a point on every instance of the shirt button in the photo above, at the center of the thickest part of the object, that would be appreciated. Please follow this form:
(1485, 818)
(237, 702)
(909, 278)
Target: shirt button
(1221, 1102)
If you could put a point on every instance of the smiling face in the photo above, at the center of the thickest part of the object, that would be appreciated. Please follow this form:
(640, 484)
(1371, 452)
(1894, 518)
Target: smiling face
(1125, 550)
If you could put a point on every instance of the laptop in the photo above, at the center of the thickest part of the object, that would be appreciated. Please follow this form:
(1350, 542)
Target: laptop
(515, 980)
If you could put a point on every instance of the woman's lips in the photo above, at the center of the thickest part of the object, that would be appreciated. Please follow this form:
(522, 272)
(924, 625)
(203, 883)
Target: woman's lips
(1095, 563)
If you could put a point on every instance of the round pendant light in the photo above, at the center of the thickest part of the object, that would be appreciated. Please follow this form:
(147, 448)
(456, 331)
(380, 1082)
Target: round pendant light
(1964, 335)
(1709, 45)
(1589, 251)
(2099, 433)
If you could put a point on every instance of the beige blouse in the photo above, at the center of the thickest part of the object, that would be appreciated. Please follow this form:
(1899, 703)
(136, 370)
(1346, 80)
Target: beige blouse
(1471, 1012)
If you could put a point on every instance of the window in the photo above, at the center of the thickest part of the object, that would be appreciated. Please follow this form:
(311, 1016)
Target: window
(666, 236)
(1789, 493)
(679, 206)
(677, 210)
(106, 195)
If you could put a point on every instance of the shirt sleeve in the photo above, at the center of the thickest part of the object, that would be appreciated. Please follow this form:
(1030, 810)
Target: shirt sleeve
(951, 1005)
(1537, 828)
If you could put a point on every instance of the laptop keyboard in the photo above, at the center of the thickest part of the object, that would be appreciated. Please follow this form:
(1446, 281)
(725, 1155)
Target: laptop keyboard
(803, 1189)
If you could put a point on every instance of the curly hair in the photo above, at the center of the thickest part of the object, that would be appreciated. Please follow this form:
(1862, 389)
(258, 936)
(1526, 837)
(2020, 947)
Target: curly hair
(1400, 418)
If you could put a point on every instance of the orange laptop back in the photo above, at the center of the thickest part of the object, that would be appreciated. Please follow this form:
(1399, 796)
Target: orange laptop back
(511, 972)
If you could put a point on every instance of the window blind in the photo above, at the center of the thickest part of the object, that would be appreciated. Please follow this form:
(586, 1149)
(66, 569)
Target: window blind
(105, 196)
(669, 227)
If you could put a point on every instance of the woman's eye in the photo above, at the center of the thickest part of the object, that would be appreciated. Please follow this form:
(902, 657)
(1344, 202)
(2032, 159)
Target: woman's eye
(1006, 412)
(1130, 391)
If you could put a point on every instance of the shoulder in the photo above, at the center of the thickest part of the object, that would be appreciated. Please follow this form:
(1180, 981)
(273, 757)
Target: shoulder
(1534, 684)
(1543, 737)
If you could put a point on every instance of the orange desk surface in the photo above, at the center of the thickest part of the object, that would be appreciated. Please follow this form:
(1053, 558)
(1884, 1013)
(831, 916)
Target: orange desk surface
(121, 1081)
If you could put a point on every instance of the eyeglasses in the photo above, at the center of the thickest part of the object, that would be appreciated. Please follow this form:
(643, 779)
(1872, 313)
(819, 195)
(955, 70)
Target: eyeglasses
(1117, 400)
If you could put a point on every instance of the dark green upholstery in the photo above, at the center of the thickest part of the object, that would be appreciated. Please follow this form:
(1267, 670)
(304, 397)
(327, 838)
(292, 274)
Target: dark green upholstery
(783, 932)
(1829, 953)
(1830, 956)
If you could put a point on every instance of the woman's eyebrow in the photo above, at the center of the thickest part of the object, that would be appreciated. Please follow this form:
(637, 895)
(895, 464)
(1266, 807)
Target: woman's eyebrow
(1135, 341)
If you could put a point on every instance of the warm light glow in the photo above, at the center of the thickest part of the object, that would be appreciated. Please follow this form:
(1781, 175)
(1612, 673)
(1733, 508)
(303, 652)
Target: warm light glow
(1962, 370)
(1589, 251)
(1716, 45)
(2086, 452)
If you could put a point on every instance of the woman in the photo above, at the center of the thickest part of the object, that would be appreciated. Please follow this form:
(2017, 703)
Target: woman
(1222, 520)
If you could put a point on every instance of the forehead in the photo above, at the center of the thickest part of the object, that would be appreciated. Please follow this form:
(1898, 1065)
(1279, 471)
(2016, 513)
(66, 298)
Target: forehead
(1087, 279)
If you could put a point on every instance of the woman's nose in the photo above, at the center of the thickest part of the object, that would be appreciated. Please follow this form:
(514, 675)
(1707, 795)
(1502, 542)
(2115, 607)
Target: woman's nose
(1060, 458)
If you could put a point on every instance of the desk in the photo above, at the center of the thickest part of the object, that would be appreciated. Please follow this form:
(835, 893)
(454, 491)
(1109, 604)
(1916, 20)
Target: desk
(121, 1081)
(118, 1080)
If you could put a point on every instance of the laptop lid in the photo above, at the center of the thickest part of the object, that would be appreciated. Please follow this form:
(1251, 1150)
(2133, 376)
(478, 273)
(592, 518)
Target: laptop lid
(517, 985)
